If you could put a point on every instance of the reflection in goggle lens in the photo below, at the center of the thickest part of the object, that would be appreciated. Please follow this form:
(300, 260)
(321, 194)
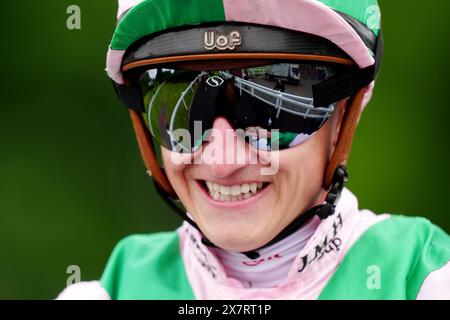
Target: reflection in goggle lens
(272, 104)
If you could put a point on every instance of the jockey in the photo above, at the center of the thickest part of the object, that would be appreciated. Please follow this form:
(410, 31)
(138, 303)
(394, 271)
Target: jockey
(256, 170)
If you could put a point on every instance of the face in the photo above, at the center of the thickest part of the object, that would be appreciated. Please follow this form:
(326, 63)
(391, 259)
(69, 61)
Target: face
(235, 205)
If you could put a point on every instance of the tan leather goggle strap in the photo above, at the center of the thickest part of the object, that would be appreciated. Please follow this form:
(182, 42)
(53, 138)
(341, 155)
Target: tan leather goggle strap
(148, 153)
(344, 143)
(236, 56)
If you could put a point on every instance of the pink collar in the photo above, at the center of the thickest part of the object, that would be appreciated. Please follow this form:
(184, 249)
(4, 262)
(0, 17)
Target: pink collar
(309, 270)
(274, 263)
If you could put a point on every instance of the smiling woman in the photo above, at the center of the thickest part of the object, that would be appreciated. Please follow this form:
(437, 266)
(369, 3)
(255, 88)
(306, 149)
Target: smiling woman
(294, 232)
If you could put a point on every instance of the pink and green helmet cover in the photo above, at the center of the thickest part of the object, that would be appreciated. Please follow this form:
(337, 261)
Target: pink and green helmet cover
(139, 18)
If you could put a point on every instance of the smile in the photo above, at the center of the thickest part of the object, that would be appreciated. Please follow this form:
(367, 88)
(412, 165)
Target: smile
(235, 192)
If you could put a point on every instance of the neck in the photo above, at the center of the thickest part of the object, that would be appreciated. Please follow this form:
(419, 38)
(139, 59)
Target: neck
(274, 263)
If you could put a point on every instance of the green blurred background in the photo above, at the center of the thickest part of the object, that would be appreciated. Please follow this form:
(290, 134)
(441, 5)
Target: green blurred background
(71, 180)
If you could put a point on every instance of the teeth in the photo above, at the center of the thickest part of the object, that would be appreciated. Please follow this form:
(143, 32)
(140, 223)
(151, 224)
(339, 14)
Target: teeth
(225, 190)
(245, 188)
(235, 190)
(233, 193)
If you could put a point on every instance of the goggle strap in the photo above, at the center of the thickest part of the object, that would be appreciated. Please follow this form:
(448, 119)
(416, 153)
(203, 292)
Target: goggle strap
(146, 148)
(349, 83)
(130, 96)
(252, 38)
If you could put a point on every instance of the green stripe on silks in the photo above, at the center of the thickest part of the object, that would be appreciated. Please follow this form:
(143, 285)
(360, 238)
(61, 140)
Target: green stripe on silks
(390, 261)
(151, 16)
(147, 267)
(366, 11)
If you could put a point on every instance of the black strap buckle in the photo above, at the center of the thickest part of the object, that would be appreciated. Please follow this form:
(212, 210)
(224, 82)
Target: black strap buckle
(339, 179)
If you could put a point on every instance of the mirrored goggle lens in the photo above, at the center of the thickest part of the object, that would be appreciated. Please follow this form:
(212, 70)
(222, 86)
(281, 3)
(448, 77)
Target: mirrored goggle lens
(271, 105)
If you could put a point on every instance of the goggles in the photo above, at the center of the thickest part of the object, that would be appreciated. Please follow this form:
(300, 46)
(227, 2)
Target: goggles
(270, 104)
(277, 87)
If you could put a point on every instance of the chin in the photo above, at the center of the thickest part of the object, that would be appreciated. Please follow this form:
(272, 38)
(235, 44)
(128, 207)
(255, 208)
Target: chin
(236, 238)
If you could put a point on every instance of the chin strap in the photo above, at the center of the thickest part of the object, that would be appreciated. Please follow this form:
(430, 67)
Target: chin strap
(323, 211)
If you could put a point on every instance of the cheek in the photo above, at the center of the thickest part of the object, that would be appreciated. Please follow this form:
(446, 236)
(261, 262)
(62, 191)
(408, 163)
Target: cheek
(174, 166)
(171, 167)
(302, 170)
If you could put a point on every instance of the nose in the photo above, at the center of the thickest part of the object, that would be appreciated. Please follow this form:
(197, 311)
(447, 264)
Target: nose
(225, 153)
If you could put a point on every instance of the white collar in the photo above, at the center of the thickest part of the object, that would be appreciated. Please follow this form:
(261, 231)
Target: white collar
(274, 263)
